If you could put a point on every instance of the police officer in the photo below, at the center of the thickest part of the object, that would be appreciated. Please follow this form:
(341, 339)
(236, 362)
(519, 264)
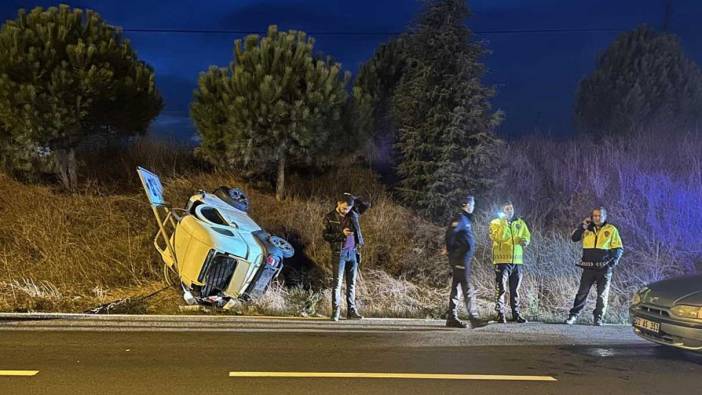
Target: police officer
(342, 230)
(509, 237)
(602, 250)
(460, 245)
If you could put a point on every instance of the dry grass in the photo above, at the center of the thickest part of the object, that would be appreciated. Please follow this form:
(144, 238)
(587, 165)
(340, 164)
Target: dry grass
(61, 252)
(379, 295)
(73, 241)
(92, 248)
(108, 167)
(71, 252)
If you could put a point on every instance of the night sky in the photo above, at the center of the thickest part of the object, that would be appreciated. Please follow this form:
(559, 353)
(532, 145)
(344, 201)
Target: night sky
(535, 69)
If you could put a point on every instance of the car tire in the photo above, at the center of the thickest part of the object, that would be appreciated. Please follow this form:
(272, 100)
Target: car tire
(283, 245)
(234, 197)
(240, 199)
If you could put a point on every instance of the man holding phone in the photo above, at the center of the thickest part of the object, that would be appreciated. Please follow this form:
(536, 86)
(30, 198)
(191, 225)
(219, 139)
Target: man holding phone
(342, 230)
(602, 250)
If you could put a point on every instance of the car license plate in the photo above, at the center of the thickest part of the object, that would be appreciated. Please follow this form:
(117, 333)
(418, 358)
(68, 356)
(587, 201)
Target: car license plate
(647, 325)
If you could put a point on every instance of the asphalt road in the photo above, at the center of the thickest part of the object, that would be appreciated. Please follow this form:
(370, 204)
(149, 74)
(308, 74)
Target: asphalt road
(177, 355)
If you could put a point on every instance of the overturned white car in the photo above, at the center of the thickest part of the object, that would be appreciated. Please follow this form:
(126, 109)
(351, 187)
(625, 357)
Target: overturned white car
(217, 251)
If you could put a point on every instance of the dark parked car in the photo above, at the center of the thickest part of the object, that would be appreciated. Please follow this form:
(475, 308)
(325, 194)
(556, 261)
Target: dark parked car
(669, 312)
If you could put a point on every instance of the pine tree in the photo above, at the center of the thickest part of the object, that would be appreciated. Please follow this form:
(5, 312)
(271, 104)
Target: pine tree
(65, 75)
(378, 79)
(642, 81)
(446, 142)
(275, 105)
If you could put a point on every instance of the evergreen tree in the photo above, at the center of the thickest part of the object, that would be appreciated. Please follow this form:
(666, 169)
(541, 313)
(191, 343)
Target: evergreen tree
(378, 79)
(446, 142)
(65, 75)
(275, 105)
(210, 115)
(642, 81)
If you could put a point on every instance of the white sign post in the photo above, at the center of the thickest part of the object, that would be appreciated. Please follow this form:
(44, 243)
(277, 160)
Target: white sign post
(154, 192)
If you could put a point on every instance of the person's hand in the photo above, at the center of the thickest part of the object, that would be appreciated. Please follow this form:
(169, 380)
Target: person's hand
(586, 223)
(347, 232)
(443, 251)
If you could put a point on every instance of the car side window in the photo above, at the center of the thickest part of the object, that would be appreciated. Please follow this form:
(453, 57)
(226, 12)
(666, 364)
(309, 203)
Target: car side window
(212, 214)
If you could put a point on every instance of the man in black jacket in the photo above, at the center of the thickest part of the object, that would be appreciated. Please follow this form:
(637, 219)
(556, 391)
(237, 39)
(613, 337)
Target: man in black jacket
(460, 245)
(343, 232)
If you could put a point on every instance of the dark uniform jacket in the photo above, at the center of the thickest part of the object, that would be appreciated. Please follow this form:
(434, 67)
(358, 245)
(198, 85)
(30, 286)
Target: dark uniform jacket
(460, 240)
(334, 225)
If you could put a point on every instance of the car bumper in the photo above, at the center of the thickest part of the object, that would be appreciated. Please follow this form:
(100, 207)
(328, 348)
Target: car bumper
(679, 334)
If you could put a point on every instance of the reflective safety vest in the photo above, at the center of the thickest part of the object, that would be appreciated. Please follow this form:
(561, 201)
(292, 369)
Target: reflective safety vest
(599, 245)
(508, 239)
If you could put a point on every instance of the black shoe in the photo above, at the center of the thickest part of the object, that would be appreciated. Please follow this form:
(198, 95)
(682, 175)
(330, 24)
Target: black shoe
(571, 320)
(518, 317)
(501, 319)
(476, 322)
(353, 315)
(335, 315)
(455, 323)
(598, 321)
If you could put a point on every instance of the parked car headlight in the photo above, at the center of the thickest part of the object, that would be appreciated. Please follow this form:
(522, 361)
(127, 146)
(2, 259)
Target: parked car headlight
(636, 299)
(639, 296)
(685, 311)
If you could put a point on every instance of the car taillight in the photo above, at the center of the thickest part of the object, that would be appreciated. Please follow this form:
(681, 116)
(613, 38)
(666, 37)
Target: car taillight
(270, 260)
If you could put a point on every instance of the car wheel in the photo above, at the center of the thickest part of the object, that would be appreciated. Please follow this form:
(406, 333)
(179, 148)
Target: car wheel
(239, 198)
(235, 197)
(285, 248)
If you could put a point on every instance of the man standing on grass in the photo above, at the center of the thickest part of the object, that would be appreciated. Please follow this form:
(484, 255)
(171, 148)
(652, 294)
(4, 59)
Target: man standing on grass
(460, 246)
(509, 237)
(342, 230)
(602, 250)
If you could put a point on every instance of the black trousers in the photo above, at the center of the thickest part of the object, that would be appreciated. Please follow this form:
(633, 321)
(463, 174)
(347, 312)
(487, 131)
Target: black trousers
(602, 278)
(507, 275)
(462, 274)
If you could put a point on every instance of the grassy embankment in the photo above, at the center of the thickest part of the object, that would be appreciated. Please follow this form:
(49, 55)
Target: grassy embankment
(70, 252)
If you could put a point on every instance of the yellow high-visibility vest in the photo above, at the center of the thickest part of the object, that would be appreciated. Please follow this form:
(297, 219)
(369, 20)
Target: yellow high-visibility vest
(508, 239)
(606, 238)
(598, 245)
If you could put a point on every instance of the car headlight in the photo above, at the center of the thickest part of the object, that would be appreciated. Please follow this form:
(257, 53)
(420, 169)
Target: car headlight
(639, 296)
(636, 299)
(685, 311)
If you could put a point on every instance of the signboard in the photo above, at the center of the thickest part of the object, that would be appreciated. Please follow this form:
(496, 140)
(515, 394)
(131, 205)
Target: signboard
(152, 186)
